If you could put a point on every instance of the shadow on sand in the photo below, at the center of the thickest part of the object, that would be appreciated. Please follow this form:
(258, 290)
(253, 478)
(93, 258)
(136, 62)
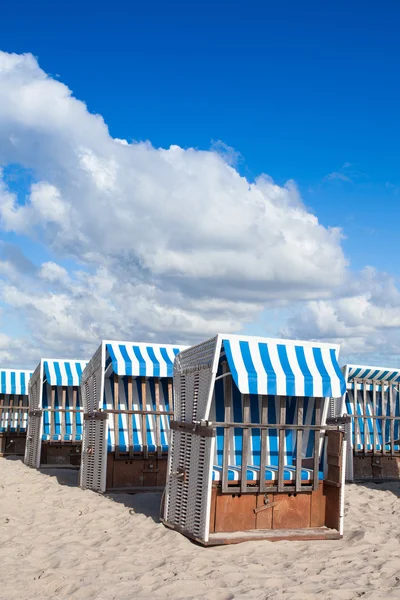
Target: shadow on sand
(388, 486)
(145, 503)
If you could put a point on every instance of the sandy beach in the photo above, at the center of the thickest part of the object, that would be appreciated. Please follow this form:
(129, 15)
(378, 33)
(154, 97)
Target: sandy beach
(57, 540)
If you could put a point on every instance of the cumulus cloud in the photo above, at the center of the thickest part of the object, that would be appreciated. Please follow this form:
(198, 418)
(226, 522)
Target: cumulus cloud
(167, 244)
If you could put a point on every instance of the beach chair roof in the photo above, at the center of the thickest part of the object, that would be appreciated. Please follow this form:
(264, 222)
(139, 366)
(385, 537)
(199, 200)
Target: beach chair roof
(269, 366)
(14, 381)
(58, 371)
(362, 373)
(142, 359)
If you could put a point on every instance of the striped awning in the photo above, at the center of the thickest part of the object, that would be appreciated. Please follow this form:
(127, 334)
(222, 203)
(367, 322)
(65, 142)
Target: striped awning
(64, 372)
(381, 375)
(142, 360)
(14, 382)
(284, 367)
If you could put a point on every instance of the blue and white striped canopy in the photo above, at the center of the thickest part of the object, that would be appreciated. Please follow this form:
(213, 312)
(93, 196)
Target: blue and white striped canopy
(284, 367)
(64, 372)
(379, 374)
(14, 382)
(142, 360)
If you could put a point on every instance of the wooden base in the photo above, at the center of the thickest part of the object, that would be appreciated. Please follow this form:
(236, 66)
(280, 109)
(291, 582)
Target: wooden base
(276, 511)
(299, 535)
(61, 454)
(12, 444)
(135, 474)
(376, 468)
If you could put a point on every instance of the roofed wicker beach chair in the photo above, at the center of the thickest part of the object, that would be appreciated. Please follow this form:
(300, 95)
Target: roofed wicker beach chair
(251, 453)
(13, 411)
(128, 402)
(54, 436)
(373, 401)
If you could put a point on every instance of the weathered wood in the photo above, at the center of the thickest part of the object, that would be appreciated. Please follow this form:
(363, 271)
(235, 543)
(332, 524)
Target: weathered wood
(193, 428)
(227, 432)
(144, 418)
(73, 417)
(299, 443)
(383, 421)
(246, 443)
(392, 414)
(281, 436)
(116, 414)
(264, 507)
(317, 437)
(63, 416)
(356, 422)
(51, 414)
(365, 420)
(130, 416)
(20, 414)
(157, 418)
(264, 432)
(11, 413)
(374, 421)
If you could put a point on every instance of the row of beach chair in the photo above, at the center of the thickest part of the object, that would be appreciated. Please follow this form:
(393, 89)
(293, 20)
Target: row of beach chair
(248, 437)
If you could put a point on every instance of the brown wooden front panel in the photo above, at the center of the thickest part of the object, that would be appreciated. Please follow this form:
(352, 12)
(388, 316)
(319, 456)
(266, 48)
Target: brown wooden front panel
(235, 513)
(136, 472)
(13, 444)
(264, 517)
(376, 467)
(292, 511)
(318, 507)
(332, 517)
(287, 511)
(66, 454)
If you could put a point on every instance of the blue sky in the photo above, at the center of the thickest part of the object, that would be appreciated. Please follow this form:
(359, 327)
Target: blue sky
(301, 91)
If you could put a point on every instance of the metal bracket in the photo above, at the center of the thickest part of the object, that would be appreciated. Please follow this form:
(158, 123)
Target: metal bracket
(96, 416)
(35, 412)
(193, 428)
(338, 420)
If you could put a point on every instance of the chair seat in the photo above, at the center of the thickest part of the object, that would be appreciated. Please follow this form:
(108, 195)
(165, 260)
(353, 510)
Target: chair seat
(152, 448)
(271, 473)
(12, 430)
(57, 438)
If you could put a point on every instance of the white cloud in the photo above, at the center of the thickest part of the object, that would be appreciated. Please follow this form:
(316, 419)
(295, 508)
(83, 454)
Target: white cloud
(172, 244)
(365, 320)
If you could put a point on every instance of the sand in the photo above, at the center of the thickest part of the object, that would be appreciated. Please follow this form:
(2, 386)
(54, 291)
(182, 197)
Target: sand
(58, 541)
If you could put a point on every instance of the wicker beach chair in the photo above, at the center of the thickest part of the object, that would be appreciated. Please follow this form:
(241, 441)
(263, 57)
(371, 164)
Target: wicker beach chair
(13, 411)
(54, 436)
(372, 400)
(251, 453)
(127, 397)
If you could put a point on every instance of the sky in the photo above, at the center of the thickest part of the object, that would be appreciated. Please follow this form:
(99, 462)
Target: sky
(174, 170)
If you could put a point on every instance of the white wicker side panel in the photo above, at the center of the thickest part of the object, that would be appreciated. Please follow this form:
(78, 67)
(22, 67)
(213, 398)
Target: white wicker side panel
(35, 424)
(190, 400)
(188, 489)
(94, 439)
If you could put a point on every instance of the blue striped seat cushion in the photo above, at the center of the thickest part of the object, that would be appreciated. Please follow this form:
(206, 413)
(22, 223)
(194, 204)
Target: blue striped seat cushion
(58, 415)
(271, 474)
(365, 435)
(120, 439)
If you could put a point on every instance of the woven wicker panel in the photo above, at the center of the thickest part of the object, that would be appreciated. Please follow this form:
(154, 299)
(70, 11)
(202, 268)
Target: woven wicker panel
(192, 381)
(34, 433)
(188, 499)
(94, 441)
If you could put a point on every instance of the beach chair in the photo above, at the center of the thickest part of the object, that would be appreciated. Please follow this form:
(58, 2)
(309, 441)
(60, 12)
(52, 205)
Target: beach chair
(127, 399)
(13, 411)
(373, 402)
(251, 453)
(54, 436)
